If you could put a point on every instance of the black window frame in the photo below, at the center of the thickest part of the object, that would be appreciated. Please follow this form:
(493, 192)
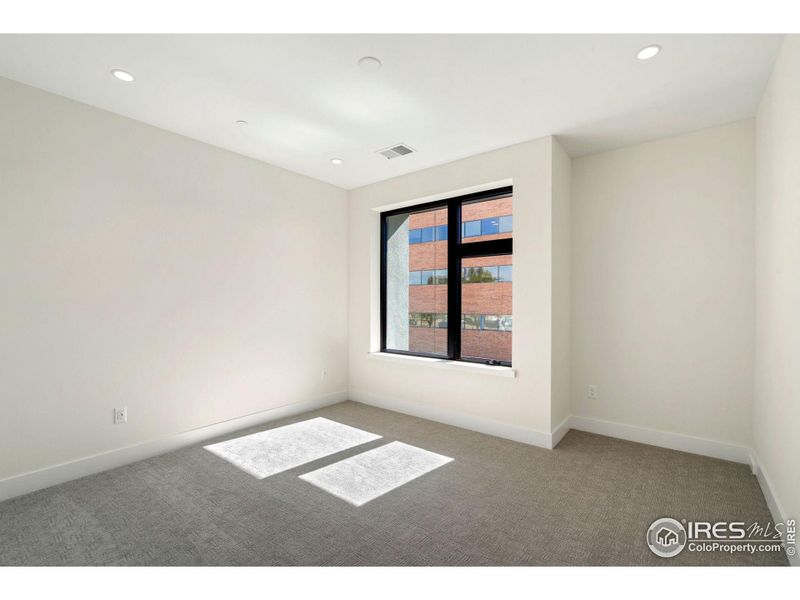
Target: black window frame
(456, 252)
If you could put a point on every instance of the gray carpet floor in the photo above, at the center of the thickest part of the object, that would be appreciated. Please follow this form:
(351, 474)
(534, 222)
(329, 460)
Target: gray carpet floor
(588, 502)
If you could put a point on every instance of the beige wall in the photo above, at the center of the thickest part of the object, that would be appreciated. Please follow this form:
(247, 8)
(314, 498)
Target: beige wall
(142, 269)
(523, 402)
(776, 409)
(663, 284)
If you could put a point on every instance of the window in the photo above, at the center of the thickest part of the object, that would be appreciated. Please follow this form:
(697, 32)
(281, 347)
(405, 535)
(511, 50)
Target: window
(423, 313)
(472, 229)
(486, 322)
(423, 235)
(490, 226)
(486, 274)
(471, 322)
(429, 277)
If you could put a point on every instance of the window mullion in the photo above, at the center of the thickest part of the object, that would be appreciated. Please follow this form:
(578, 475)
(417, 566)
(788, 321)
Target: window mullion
(454, 280)
(487, 248)
(383, 276)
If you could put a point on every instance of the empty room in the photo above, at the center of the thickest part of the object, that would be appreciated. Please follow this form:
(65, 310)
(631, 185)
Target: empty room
(399, 300)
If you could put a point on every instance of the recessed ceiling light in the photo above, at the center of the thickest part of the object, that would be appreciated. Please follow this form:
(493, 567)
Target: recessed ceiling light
(648, 52)
(122, 75)
(337, 161)
(241, 122)
(369, 64)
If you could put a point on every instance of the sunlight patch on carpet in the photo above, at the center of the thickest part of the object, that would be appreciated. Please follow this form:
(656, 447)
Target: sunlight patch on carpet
(275, 450)
(366, 476)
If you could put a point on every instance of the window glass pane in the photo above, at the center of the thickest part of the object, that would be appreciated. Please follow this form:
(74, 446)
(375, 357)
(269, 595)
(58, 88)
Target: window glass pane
(471, 274)
(490, 226)
(487, 274)
(487, 220)
(491, 322)
(421, 319)
(472, 229)
(416, 282)
(441, 232)
(470, 321)
(487, 316)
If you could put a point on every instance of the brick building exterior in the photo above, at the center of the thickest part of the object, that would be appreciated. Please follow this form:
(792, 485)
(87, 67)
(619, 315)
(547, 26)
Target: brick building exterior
(486, 282)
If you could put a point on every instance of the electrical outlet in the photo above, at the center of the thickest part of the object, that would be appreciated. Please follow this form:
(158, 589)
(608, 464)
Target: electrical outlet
(120, 415)
(324, 375)
(592, 394)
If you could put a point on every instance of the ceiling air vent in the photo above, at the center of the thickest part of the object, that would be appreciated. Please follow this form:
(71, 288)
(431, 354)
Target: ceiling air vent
(395, 151)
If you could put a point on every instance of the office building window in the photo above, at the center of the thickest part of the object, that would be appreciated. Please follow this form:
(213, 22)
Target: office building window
(423, 312)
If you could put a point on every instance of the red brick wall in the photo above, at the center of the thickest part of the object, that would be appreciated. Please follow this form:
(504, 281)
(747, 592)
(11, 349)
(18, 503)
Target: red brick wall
(486, 344)
(474, 343)
(432, 255)
(427, 219)
(476, 298)
(469, 212)
(486, 298)
(427, 339)
(487, 261)
(427, 298)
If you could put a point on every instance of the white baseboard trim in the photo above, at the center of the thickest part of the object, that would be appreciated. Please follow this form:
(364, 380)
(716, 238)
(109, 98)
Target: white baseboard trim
(515, 433)
(560, 431)
(754, 467)
(664, 439)
(25, 483)
(775, 506)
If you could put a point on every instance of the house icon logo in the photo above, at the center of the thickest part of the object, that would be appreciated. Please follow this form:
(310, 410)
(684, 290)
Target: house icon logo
(666, 537)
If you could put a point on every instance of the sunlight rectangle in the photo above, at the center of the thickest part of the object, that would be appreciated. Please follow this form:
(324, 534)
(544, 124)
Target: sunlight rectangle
(276, 450)
(366, 476)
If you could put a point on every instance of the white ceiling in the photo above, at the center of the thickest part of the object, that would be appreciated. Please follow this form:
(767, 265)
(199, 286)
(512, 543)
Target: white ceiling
(447, 96)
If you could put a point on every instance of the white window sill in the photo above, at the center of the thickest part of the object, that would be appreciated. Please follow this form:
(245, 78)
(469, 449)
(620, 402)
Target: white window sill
(443, 363)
